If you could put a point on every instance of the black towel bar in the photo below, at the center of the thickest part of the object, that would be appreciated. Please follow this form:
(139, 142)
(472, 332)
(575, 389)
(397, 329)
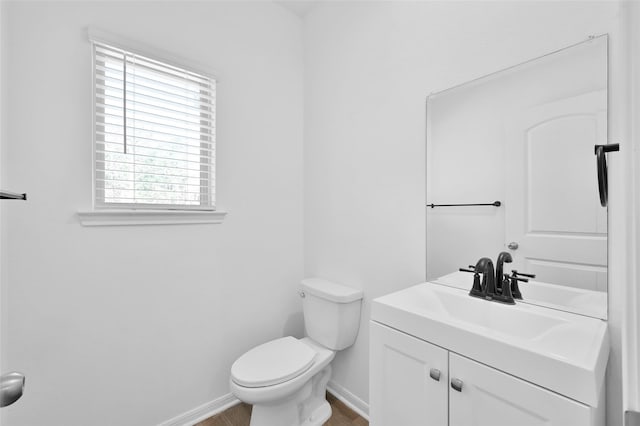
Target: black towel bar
(495, 204)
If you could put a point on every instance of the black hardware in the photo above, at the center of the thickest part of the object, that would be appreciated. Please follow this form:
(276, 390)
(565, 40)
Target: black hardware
(503, 257)
(502, 292)
(495, 204)
(476, 289)
(515, 290)
(503, 295)
(6, 195)
(487, 288)
(522, 274)
(496, 286)
(601, 164)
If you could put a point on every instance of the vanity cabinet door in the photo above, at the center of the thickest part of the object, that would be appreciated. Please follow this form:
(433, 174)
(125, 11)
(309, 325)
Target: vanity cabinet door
(408, 380)
(489, 397)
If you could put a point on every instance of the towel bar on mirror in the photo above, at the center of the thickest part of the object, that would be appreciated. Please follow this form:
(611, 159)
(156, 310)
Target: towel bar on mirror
(495, 204)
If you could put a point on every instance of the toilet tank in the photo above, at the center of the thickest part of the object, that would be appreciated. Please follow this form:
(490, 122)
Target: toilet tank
(331, 312)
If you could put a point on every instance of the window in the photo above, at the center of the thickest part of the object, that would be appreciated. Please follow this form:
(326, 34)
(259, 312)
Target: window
(154, 133)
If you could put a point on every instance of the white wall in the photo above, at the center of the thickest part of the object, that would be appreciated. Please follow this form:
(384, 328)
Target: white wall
(368, 70)
(135, 325)
(631, 330)
(3, 311)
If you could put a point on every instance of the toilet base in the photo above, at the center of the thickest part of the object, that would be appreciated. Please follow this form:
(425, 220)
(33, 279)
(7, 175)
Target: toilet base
(319, 416)
(306, 407)
(264, 416)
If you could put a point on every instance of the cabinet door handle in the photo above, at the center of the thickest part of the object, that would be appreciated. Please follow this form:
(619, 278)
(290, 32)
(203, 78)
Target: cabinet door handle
(456, 384)
(434, 373)
(11, 388)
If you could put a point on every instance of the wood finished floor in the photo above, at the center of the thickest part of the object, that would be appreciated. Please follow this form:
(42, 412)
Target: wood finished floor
(239, 415)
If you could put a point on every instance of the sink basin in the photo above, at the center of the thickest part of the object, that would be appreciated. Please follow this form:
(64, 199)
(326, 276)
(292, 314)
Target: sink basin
(577, 300)
(560, 351)
(514, 323)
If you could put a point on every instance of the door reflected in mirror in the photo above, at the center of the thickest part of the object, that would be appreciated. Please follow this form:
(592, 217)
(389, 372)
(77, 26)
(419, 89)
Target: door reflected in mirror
(523, 136)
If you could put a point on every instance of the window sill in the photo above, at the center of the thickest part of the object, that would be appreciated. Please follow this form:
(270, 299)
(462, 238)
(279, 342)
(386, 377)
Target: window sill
(149, 217)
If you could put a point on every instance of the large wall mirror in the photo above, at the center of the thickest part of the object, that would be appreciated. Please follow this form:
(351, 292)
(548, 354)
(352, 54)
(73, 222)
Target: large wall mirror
(524, 137)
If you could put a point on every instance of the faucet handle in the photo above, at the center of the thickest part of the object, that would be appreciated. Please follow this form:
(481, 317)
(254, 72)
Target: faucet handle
(515, 290)
(476, 289)
(472, 268)
(517, 278)
(514, 272)
(506, 289)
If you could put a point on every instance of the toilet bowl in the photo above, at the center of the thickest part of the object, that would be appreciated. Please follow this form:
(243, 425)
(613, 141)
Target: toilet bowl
(286, 379)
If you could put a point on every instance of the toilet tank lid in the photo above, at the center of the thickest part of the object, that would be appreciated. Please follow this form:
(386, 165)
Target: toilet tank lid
(331, 291)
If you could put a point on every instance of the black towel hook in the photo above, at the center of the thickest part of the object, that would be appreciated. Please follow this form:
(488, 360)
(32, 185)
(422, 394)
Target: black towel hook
(601, 163)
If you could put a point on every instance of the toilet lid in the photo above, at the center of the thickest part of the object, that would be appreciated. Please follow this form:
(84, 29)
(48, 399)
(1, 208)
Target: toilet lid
(273, 362)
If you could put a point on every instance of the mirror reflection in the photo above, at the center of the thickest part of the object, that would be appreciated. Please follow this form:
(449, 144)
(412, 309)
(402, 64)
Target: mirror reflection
(523, 137)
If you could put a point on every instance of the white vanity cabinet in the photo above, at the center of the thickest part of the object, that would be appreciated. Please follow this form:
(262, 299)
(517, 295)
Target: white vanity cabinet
(405, 391)
(491, 397)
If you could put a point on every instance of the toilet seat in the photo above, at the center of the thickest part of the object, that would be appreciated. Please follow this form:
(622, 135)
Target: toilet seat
(272, 363)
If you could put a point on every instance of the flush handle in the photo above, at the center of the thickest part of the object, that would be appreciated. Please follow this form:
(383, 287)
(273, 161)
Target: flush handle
(456, 384)
(434, 373)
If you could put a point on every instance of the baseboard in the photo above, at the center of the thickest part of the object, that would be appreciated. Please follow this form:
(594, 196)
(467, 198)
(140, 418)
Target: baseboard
(349, 399)
(202, 412)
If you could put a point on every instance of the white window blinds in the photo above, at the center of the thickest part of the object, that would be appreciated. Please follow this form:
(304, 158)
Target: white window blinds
(154, 133)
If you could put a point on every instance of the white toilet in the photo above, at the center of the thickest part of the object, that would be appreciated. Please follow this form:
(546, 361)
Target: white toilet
(286, 379)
